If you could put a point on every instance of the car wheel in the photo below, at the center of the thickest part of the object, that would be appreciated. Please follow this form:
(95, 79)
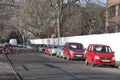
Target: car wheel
(113, 66)
(57, 55)
(86, 62)
(93, 64)
(68, 58)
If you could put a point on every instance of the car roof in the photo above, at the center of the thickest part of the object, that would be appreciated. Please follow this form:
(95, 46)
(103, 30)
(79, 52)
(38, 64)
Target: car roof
(98, 44)
(6, 44)
(73, 42)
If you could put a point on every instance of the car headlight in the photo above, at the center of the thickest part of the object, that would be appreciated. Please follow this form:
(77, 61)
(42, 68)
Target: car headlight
(97, 57)
(71, 52)
(113, 58)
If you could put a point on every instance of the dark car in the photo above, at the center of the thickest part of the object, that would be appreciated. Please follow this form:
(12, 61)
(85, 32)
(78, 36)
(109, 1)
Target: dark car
(36, 47)
(41, 48)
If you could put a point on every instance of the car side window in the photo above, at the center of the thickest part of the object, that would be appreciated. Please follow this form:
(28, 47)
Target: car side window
(90, 48)
(65, 46)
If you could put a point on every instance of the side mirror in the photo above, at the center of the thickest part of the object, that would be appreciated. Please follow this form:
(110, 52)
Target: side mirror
(113, 52)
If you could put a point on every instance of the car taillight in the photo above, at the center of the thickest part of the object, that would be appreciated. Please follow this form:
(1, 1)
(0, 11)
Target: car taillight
(97, 57)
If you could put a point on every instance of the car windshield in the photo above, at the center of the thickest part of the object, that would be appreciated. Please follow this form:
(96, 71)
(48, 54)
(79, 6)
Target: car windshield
(104, 49)
(76, 46)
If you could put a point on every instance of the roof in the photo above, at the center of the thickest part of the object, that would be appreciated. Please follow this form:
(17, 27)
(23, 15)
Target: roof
(98, 44)
(73, 43)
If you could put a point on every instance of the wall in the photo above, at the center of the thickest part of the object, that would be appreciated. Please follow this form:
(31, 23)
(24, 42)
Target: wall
(113, 40)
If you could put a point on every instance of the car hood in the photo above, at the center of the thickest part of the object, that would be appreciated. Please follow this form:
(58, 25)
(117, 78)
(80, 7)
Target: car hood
(78, 51)
(109, 55)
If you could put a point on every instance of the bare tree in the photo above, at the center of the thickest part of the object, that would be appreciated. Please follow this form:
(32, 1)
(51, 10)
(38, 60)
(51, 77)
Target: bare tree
(76, 17)
(34, 16)
(7, 8)
(84, 17)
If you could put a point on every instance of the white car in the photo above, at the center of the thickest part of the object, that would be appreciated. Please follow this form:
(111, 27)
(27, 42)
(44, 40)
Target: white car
(53, 51)
(60, 52)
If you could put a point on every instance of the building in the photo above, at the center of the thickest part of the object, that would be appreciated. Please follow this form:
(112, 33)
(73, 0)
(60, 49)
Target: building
(112, 16)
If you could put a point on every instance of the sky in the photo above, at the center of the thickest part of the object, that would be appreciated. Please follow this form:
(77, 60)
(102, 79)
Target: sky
(104, 1)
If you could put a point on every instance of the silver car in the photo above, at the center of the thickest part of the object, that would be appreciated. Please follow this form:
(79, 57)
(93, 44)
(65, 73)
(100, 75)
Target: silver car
(60, 51)
(53, 50)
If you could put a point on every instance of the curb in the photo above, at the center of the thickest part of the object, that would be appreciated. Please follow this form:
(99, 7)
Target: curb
(13, 70)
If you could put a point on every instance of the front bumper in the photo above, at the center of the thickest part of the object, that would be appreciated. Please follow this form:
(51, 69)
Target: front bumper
(105, 62)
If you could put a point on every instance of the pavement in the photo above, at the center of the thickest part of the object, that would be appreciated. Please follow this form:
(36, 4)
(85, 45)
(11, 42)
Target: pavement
(6, 71)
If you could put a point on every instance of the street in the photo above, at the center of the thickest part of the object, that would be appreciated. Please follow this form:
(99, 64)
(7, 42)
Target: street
(32, 65)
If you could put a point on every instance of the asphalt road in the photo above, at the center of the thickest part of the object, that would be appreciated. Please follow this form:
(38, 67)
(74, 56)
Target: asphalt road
(36, 66)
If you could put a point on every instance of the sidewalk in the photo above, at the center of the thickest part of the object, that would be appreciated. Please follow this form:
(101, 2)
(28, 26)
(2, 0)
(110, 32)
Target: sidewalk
(6, 72)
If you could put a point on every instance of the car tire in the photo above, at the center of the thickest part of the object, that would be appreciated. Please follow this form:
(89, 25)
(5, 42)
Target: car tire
(93, 64)
(57, 55)
(113, 66)
(86, 62)
(68, 58)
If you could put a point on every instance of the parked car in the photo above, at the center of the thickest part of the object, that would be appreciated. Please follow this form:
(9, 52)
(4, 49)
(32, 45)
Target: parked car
(35, 47)
(60, 51)
(10, 49)
(29, 46)
(73, 50)
(47, 48)
(41, 48)
(53, 50)
(99, 54)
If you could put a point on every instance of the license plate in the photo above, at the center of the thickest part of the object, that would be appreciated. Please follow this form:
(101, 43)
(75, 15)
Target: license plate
(105, 60)
(79, 55)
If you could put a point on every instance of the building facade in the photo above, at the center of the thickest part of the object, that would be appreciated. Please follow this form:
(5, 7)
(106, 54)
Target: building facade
(112, 16)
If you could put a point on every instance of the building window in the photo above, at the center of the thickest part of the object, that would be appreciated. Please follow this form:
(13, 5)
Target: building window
(111, 11)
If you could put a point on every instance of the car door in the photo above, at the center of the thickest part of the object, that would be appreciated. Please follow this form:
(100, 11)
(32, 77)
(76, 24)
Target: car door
(89, 53)
(66, 50)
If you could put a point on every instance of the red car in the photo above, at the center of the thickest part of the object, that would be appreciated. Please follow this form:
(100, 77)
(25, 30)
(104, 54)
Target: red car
(99, 54)
(47, 48)
(10, 49)
(73, 50)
